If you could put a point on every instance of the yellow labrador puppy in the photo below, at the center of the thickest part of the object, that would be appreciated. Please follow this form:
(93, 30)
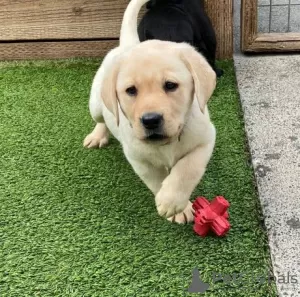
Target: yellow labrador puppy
(153, 100)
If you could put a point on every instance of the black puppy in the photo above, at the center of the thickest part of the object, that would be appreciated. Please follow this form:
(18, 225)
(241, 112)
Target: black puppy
(181, 21)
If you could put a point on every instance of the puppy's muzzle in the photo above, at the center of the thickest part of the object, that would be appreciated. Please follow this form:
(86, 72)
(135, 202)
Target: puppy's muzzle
(153, 124)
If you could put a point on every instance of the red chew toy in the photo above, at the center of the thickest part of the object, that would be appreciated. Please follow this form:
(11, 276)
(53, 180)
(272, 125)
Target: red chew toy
(211, 216)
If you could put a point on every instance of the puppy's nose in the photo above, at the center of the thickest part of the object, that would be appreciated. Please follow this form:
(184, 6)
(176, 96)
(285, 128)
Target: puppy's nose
(152, 120)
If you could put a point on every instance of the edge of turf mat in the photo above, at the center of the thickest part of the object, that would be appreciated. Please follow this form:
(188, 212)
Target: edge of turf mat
(76, 222)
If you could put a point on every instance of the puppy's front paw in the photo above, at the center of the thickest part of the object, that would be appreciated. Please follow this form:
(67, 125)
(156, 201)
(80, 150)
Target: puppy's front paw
(98, 138)
(169, 203)
(187, 216)
(94, 141)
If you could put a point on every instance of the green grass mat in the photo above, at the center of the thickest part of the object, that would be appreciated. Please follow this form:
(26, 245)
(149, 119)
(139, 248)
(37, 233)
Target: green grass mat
(77, 222)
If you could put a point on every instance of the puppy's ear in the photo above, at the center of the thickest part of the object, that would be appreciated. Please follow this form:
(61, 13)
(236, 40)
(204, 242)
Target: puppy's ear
(109, 89)
(203, 75)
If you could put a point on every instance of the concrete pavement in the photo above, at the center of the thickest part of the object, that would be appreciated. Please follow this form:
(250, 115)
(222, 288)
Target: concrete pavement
(269, 89)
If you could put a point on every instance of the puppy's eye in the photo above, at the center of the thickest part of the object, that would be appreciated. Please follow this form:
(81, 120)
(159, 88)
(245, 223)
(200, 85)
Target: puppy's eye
(170, 86)
(131, 91)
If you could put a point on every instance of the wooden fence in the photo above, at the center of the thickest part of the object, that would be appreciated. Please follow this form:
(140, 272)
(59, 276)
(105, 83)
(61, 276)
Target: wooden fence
(43, 29)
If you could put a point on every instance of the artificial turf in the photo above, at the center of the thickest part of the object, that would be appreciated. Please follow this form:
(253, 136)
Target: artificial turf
(77, 222)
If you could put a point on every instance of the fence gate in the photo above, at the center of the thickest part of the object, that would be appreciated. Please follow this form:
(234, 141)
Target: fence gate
(270, 25)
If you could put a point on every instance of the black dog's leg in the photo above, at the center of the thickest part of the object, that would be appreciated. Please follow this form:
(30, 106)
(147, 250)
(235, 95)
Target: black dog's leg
(212, 61)
(211, 49)
(212, 58)
(210, 55)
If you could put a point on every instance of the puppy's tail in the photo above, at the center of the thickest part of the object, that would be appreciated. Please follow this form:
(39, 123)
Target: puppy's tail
(129, 31)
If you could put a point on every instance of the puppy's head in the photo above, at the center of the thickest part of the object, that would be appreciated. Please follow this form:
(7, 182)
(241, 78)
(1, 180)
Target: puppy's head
(154, 84)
